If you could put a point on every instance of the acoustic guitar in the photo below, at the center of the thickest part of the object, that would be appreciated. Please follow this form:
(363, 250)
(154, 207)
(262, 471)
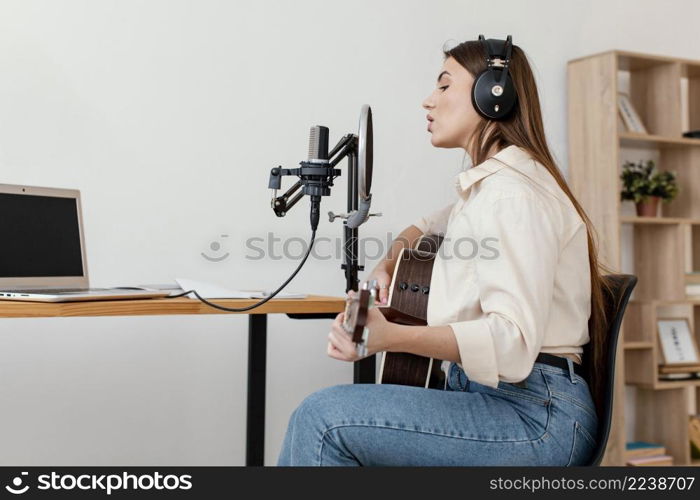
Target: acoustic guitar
(407, 304)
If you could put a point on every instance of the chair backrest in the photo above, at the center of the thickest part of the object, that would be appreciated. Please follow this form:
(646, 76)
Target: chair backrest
(616, 298)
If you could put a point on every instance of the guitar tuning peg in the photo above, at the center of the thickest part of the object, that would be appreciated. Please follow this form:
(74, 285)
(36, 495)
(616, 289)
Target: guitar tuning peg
(374, 289)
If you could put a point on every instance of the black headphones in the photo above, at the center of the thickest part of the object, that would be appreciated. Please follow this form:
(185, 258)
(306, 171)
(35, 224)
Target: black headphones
(493, 93)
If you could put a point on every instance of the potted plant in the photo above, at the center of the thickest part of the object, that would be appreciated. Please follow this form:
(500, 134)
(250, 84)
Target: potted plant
(644, 185)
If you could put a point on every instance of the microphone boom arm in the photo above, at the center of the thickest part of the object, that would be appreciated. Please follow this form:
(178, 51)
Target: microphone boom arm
(346, 140)
(281, 204)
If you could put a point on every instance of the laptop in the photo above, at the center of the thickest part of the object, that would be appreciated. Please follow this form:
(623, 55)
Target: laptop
(42, 249)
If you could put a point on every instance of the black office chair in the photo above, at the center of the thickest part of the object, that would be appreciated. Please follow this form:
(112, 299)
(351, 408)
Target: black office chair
(621, 286)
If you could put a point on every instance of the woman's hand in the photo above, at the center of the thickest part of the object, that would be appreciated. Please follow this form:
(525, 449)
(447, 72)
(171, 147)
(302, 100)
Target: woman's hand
(381, 335)
(383, 282)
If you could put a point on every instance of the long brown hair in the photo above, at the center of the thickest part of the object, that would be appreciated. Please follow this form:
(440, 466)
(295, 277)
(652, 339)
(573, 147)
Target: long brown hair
(523, 128)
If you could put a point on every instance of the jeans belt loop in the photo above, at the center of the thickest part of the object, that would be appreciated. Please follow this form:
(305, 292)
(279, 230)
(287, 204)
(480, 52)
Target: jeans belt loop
(570, 364)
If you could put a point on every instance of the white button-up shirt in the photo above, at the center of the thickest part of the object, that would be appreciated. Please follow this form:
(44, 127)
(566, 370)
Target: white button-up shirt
(512, 276)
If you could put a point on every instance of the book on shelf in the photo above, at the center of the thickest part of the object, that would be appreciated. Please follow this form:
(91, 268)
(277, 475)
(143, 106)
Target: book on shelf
(621, 126)
(679, 376)
(639, 449)
(694, 435)
(629, 114)
(692, 278)
(651, 461)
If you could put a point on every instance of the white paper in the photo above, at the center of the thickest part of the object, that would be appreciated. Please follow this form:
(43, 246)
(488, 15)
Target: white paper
(208, 290)
(676, 342)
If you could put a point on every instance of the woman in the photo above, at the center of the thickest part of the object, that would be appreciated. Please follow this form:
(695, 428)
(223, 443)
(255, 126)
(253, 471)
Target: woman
(509, 323)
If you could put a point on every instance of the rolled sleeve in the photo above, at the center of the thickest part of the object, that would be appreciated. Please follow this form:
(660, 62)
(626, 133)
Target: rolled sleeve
(436, 222)
(516, 287)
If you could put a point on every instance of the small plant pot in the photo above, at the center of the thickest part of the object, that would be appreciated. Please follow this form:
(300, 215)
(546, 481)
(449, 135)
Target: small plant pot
(648, 208)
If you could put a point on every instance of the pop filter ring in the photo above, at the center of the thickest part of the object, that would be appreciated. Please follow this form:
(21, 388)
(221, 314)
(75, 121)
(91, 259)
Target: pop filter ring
(365, 153)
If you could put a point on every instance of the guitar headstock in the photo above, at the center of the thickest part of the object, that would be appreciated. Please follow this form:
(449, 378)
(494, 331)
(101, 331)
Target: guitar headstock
(356, 310)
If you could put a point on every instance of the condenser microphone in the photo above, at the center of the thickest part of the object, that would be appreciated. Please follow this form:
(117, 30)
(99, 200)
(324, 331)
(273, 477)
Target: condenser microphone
(318, 144)
(316, 185)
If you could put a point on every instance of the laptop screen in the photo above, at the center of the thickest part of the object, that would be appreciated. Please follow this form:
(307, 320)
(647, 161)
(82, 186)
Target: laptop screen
(39, 236)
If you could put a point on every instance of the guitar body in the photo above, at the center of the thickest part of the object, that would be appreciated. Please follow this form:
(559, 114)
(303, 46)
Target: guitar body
(408, 305)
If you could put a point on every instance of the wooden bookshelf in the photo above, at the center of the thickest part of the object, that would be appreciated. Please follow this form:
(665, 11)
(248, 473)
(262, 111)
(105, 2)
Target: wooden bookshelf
(665, 92)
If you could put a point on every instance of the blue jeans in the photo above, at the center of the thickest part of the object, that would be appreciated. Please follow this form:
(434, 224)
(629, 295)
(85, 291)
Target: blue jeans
(550, 422)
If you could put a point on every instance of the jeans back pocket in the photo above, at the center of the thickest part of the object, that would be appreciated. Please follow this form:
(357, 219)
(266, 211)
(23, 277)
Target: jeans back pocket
(582, 446)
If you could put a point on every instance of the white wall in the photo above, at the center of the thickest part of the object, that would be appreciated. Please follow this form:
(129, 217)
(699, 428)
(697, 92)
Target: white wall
(168, 115)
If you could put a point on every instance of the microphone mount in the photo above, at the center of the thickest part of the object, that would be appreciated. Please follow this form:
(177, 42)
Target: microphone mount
(315, 178)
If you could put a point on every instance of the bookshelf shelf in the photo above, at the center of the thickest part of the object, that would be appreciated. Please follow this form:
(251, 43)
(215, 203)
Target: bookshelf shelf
(676, 384)
(639, 345)
(633, 219)
(665, 92)
(636, 140)
(687, 301)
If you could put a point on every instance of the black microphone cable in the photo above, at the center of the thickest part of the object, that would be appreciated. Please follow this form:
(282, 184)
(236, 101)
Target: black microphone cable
(248, 308)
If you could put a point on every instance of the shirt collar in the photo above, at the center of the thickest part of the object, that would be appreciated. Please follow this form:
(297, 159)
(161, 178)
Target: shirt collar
(510, 156)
